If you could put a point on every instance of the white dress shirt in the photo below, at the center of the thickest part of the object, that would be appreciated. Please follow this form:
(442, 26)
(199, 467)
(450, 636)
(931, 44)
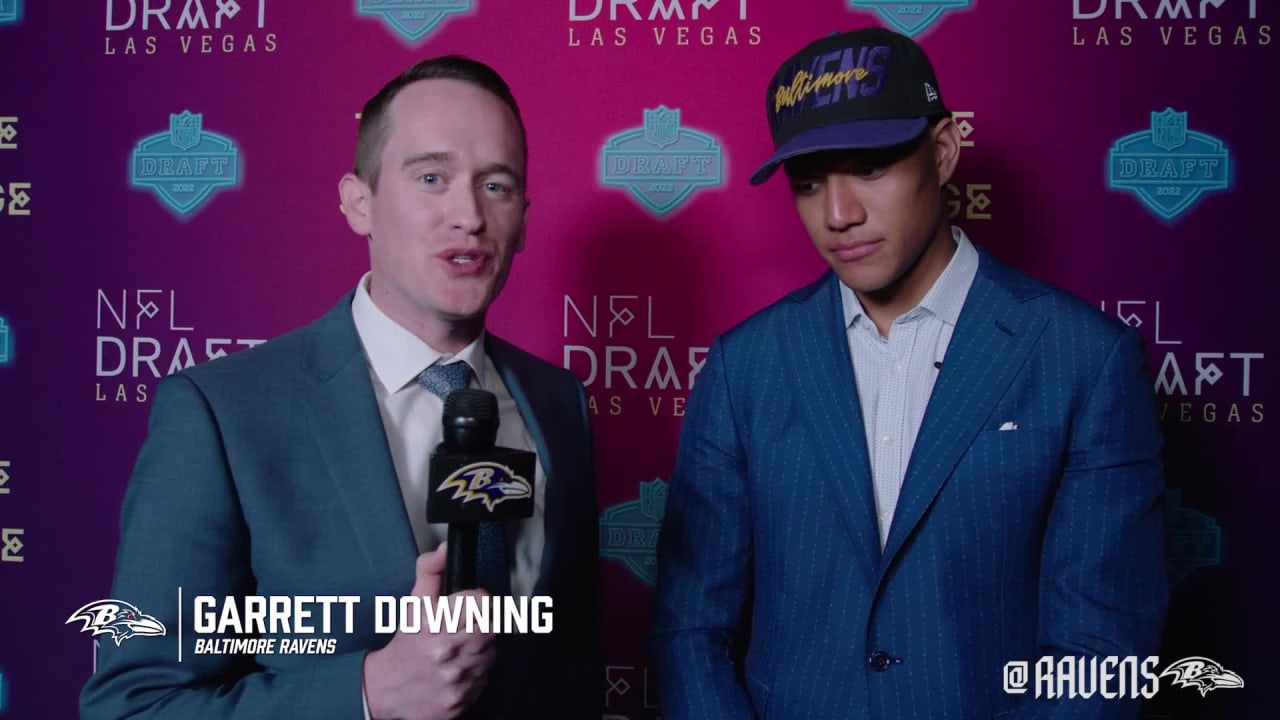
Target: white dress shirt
(411, 417)
(895, 374)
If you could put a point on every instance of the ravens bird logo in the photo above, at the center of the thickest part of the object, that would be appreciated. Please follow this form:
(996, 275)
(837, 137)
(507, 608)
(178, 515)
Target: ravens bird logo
(116, 618)
(488, 482)
(1203, 674)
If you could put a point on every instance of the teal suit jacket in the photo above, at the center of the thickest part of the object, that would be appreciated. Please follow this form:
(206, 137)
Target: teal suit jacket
(1029, 523)
(267, 472)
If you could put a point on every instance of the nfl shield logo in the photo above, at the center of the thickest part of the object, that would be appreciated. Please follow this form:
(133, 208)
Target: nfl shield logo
(184, 130)
(661, 126)
(653, 499)
(1169, 129)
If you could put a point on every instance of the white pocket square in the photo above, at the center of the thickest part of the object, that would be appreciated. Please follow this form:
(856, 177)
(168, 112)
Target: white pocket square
(1009, 425)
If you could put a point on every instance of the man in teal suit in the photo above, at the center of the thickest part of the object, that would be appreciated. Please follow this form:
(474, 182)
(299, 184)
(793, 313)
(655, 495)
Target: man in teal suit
(299, 468)
(920, 467)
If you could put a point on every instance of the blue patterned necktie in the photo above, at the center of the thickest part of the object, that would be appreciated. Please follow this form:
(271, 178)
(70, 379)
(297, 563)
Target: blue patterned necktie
(444, 379)
(491, 547)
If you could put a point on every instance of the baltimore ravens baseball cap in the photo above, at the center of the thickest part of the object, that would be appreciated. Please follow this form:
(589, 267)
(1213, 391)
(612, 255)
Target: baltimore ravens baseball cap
(869, 88)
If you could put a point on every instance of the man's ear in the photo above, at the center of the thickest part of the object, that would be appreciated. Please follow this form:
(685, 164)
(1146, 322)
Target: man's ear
(355, 195)
(945, 137)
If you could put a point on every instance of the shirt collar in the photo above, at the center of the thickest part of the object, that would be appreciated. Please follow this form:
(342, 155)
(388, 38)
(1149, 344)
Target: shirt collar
(397, 355)
(945, 299)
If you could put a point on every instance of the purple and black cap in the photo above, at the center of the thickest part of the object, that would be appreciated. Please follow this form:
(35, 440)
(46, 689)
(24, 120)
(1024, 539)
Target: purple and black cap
(869, 88)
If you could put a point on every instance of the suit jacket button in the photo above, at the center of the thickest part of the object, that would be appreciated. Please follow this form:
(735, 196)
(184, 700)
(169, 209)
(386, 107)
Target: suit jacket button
(879, 660)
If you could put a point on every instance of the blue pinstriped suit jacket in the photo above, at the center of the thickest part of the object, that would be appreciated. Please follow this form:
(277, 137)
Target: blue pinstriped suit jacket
(773, 597)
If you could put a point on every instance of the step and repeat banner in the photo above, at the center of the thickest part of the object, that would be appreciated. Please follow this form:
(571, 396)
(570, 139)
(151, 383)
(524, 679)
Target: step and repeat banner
(168, 195)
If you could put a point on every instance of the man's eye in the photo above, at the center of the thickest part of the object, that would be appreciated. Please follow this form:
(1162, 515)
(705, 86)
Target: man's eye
(430, 179)
(501, 190)
(803, 187)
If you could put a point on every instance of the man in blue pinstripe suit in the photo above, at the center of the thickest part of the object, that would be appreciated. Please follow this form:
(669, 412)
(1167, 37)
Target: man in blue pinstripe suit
(920, 467)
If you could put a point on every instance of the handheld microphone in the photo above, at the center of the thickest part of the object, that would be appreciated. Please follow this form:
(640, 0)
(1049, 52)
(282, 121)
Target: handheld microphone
(474, 481)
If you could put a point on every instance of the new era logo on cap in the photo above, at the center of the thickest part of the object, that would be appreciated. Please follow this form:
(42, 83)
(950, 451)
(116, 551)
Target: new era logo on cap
(850, 90)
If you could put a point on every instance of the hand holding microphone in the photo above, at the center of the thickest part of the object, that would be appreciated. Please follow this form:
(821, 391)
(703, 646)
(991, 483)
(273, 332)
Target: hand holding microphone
(475, 487)
(425, 675)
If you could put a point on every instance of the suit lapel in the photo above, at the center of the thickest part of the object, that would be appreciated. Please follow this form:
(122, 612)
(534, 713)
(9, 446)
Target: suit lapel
(992, 339)
(828, 393)
(348, 429)
(535, 401)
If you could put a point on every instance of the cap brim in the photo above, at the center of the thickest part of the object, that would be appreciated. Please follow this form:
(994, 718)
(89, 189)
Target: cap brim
(863, 134)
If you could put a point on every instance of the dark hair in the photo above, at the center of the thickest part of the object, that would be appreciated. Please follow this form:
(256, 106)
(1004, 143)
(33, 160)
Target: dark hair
(372, 136)
(936, 118)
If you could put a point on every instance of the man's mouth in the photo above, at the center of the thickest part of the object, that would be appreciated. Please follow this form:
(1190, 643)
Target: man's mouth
(848, 252)
(466, 262)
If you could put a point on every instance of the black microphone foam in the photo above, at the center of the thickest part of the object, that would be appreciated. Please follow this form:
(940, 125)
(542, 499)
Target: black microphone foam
(470, 420)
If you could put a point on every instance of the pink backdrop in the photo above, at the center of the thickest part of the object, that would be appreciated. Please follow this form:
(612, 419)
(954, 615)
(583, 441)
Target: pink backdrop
(623, 280)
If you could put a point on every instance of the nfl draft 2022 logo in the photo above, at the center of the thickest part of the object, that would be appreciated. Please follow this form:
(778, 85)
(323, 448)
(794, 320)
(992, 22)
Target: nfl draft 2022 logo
(185, 165)
(1194, 539)
(10, 11)
(629, 531)
(412, 19)
(911, 18)
(1168, 166)
(6, 342)
(661, 163)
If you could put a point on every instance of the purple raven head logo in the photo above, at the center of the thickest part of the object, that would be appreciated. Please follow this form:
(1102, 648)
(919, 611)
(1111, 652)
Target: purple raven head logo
(1203, 674)
(119, 619)
(488, 482)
